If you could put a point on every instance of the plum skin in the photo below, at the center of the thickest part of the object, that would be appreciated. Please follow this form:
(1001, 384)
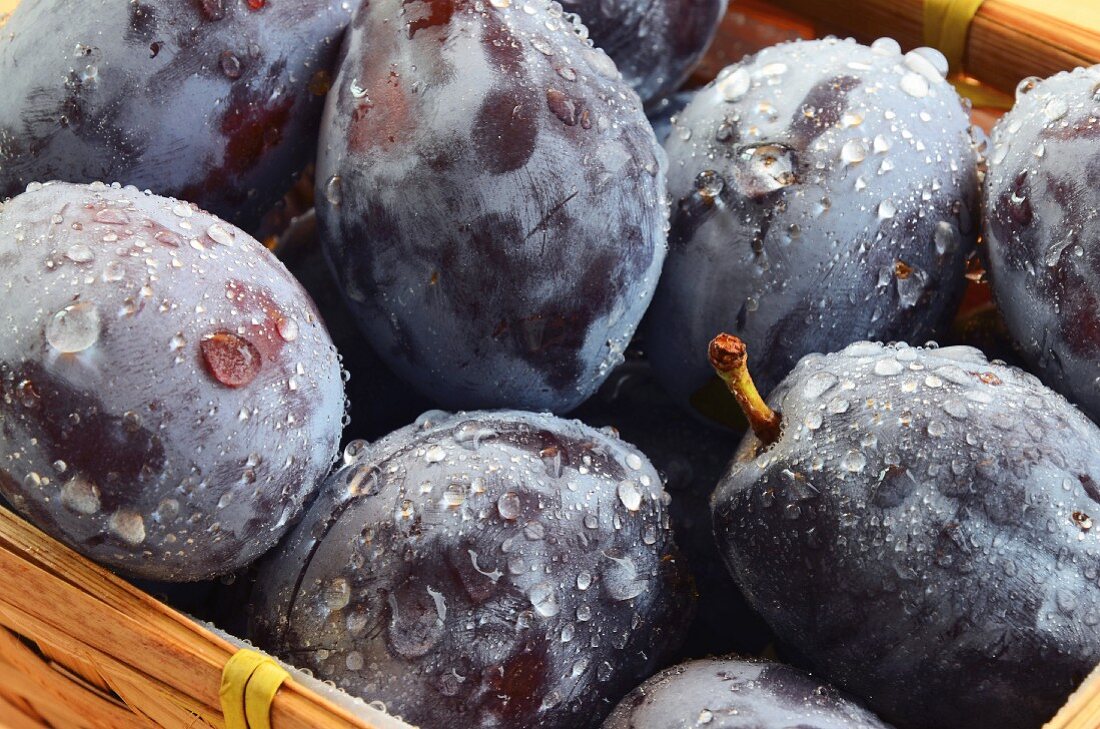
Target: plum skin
(738, 693)
(168, 395)
(823, 192)
(654, 44)
(1041, 230)
(213, 101)
(498, 231)
(921, 534)
(501, 569)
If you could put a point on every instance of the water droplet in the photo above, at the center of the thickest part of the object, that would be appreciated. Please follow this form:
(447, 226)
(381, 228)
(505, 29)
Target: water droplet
(915, 85)
(709, 184)
(837, 406)
(818, 384)
(337, 594)
(333, 192)
(853, 461)
(80, 495)
(956, 409)
(544, 598)
(734, 85)
(128, 526)
(936, 428)
(74, 328)
(813, 420)
(886, 209)
(621, 580)
(564, 108)
(630, 495)
(354, 661)
(231, 360)
(80, 253)
(219, 235)
(886, 47)
(881, 145)
(946, 237)
(584, 580)
(1056, 108)
(888, 366)
(853, 152)
(774, 69)
(509, 505)
(230, 64)
(435, 454)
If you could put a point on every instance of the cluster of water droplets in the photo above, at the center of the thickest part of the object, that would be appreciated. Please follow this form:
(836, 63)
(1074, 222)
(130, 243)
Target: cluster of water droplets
(186, 349)
(482, 531)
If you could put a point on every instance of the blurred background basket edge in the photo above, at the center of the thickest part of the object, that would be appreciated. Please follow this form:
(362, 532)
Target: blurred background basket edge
(79, 647)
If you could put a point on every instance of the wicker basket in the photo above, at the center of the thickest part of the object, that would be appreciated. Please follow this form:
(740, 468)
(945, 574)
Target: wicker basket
(81, 648)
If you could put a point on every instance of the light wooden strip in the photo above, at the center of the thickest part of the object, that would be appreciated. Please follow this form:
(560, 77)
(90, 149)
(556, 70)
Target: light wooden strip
(79, 606)
(54, 696)
(1008, 40)
(18, 716)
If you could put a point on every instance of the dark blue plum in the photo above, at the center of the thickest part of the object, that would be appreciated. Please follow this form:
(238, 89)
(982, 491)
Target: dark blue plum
(1041, 228)
(654, 44)
(823, 192)
(378, 402)
(492, 200)
(212, 101)
(738, 693)
(483, 569)
(921, 533)
(169, 398)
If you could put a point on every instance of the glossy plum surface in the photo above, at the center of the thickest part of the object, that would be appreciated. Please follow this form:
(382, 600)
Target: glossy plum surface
(735, 693)
(691, 457)
(212, 101)
(484, 569)
(922, 534)
(491, 198)
(654, 44)
(823, 192)
(168, 395)
(1042, 230)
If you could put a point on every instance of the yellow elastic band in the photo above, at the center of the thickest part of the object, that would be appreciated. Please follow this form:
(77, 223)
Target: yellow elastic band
(946, 25)
(250, 681)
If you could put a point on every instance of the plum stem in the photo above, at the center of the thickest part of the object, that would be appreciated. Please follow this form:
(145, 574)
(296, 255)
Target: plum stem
(729, 357)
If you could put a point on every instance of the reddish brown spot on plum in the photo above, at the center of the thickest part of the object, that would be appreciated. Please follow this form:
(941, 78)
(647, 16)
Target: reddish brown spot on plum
(255, 4)
(902, 270)
(505, 130)
(438, 13)
(519, 684)
(252, 128)
(231, 360)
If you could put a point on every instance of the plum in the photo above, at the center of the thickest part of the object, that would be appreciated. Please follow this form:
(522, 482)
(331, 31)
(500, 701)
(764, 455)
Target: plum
(378, 402)
(168, 395)
(736, 693)
(1042, 230)
(213, 101)
(917, 525)
(691, 457)
(495, 569)
(823, 192)
(654, 44)
(491, 199)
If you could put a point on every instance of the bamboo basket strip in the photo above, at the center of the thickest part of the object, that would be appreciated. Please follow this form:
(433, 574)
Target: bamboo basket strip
(1009, 39)
(109, 655)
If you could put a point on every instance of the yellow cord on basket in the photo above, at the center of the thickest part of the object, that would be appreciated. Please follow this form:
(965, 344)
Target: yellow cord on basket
(250, 681)
(946, 25)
